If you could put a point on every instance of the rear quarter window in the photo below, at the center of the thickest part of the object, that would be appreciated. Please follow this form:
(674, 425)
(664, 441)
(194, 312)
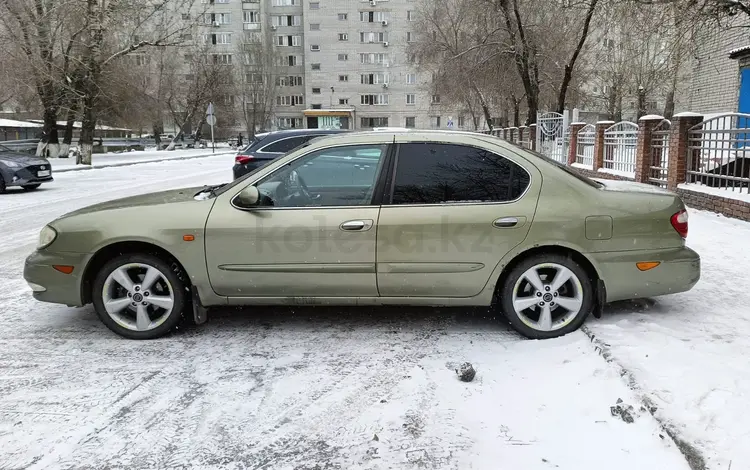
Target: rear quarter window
(432, 173)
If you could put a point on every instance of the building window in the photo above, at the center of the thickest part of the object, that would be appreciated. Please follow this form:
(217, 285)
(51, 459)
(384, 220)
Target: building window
(217, 18)
(412, 58)
(435, 122)
(373, 16)
(410, 122)
(409, 36)
(343, 16)
(410, 15)
(286, 3)
(411, 98)
(314, 5)
(315, 47)
(343, 100)
(435, 99)
(316, 91)
(343, 57)
(250, 17)
(373, 37)
(373, 78)
(314, 26)
(222, 59)
(374, 122)
(378, 99)
(286, 20)
(291, 80)
(373, 58)
(288, 40)
(315, 66)
(411, 78)
(290, 100)
(317, 106)
(461, 121)
(289, 123)
(343, 37)
(343, 78)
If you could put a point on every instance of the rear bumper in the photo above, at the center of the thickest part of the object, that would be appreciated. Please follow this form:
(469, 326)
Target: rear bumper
(679, 271)
(243, 169)
(50, 285)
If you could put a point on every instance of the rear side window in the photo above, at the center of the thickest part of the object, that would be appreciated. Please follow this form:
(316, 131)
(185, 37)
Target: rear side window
(285, 145)
(430, 173)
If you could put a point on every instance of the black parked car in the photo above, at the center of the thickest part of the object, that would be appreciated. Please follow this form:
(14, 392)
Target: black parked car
(271, 145)
(21, 169)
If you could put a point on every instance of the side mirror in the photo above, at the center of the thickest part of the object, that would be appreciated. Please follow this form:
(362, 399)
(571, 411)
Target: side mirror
(249, 197)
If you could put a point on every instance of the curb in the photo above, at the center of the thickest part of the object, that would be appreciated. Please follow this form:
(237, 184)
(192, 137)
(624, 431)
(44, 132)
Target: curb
(693, 456)
(113, 165)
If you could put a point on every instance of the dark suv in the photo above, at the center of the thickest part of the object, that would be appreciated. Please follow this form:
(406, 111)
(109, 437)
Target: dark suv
(269, 146)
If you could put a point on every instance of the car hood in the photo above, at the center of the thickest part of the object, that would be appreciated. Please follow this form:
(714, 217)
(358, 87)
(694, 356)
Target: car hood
(149, 199)
(23, 159)
(630, 187)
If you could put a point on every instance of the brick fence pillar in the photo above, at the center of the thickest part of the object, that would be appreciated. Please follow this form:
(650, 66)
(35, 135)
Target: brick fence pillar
(573, 142)
(505, 133)
(523, 135)
(643, 159)
(532, 136)
(513, 135)
(601, 126)
(678, 147)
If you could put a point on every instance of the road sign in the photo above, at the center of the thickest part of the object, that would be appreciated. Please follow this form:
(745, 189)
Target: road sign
(450, 124)
(211, 120)
(210, 110)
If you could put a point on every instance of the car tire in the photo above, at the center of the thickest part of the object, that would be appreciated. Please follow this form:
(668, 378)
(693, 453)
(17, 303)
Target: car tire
(31, 187)
(521, 301)
(2, 184)
(169, 283)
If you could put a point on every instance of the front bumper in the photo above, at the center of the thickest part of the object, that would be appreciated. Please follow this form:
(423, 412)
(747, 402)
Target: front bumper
(59, 288)
(679, 271)
(27, 175)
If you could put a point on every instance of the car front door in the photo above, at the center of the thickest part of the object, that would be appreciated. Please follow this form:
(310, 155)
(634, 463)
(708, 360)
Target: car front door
(455, 211)
(312, 233)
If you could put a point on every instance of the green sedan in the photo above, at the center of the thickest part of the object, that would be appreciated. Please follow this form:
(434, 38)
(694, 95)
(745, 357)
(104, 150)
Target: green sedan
(425, 218)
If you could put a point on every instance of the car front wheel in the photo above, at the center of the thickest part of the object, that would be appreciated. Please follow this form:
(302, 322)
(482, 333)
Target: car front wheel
(31, 187)
(139, 296)
(546, 296)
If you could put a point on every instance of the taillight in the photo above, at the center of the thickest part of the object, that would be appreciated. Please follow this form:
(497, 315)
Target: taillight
(680, 223)
(242, 159)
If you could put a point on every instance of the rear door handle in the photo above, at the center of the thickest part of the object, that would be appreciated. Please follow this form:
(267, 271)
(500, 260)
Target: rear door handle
(505, 222)
(356, 225)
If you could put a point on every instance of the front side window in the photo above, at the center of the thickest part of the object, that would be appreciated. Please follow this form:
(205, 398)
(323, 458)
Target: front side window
(429, 173)
(339, 176)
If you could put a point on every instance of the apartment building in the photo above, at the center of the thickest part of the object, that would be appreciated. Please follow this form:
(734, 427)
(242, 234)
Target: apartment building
(341, 63)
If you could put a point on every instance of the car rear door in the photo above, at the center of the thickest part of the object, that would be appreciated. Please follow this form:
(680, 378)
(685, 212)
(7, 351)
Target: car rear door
(453, 213)
(300, 246)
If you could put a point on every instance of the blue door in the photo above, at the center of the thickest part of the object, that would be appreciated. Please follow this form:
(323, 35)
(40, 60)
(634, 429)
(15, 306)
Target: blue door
(743, 106)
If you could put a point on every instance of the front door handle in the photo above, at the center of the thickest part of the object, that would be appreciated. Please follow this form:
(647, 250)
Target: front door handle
(356, 225)
(505, 222)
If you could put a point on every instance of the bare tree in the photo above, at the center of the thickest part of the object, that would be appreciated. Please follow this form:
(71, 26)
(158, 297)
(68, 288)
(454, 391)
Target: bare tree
(257, 84)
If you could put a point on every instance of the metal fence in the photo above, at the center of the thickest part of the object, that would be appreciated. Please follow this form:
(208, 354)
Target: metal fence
(619, 148)
(718, 153)
(659, 153)
(585, 147)
(552, 136)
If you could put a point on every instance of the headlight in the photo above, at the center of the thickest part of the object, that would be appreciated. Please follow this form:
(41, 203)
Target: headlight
(46, 237)
(11, 163)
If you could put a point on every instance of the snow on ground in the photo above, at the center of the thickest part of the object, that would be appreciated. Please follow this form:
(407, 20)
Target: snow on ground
(138, 156)
(358, 388)
(691, 351)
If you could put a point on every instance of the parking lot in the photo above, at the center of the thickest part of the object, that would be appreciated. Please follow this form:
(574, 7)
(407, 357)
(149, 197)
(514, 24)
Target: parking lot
(370, 388)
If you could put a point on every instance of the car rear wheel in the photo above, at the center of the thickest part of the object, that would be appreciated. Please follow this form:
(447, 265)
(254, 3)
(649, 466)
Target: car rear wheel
(546, 296)
(139, 296)
(31, 187)
(2, 184)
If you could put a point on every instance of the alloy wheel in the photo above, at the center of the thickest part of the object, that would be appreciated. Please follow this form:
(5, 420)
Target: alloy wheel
(138, 297)
(547, 296)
